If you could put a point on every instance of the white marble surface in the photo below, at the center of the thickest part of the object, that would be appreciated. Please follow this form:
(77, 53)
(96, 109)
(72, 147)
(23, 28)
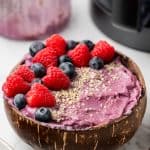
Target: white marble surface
(81, 27)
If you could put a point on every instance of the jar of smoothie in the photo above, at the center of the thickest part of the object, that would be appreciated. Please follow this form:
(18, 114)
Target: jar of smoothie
(32, 19)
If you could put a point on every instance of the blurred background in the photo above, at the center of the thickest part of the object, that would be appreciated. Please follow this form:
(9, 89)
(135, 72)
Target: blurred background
(82, 21)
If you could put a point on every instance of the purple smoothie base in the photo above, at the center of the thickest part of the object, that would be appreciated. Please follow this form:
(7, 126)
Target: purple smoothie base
(115, 95)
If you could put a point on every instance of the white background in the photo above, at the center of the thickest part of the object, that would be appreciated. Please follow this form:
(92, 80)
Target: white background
(80, 27)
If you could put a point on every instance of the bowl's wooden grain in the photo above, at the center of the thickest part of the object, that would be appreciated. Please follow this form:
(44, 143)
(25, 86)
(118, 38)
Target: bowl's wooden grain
(98, 138)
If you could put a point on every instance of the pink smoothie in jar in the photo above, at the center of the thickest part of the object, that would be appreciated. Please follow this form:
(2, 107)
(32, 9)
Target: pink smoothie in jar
(32, 19)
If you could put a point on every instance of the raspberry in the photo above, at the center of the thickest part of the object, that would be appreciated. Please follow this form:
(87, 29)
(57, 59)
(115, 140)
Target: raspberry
(14, 85)
(104, 51)
(80, 55)
(57, 43)
(25, 73)
(56, 79)
(40, 96)
(45, 57)
(54, 52)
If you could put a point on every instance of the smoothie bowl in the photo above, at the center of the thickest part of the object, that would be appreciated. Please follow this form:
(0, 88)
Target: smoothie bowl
(75, 95)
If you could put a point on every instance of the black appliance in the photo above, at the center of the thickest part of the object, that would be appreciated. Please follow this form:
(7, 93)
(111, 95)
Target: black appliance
(126, 21)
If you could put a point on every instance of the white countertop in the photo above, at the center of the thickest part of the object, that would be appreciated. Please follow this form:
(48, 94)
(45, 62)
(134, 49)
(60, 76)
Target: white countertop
(80, 27)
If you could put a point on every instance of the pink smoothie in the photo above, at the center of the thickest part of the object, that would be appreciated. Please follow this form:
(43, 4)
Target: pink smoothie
(96, 97)
(31, 19)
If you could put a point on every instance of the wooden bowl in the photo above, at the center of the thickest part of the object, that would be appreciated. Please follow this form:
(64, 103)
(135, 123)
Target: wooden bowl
(104, 137)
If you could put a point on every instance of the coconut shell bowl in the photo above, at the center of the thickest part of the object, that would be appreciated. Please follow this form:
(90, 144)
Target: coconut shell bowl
(100, 137)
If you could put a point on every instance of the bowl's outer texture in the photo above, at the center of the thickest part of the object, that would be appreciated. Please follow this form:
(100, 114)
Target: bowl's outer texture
(97, 138)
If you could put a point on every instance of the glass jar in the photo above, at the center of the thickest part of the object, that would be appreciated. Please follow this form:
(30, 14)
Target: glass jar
(32, 19)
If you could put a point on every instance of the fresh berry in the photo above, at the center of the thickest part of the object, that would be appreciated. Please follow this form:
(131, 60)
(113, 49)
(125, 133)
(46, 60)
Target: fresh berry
(64, 58)
(89, 44)
(15, 84)
(96, 63)
(45, 57)
(104, 51)
(80, 55)
(57, 43)
(35, 47)
(54, 52)
(36, 80)
(20, 101)
(56, 79)
(25, 73)
(40, 96)
(71, 44)
(38, 69)
(68, 68)
(43, 115)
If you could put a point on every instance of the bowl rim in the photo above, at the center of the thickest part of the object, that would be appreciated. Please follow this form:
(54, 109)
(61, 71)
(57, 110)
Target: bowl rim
(125, 61)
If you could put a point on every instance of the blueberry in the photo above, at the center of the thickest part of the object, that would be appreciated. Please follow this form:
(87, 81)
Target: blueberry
(20, 101)
(36, 80)
(68, 68)
(43, 114)
(89, 44)
(71, 44)
(64, 58)
(35, 47)
(38, 69)
(96, 63)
